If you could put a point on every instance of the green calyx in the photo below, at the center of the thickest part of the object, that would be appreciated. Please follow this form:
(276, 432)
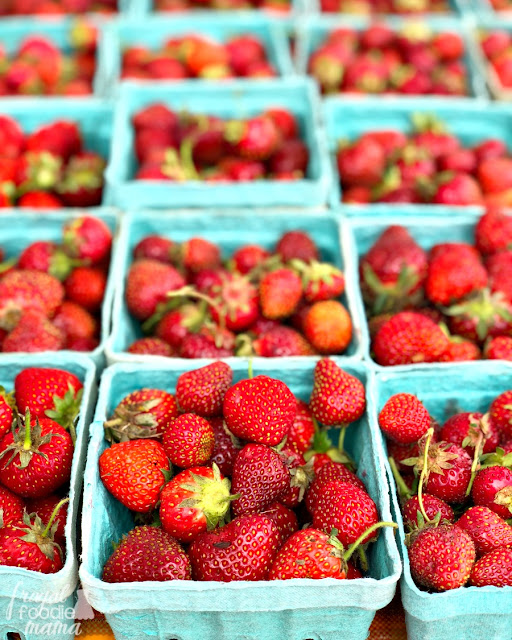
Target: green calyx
(423, 122)
(61, 265)
(389, 297)
(211, 496)
(43, 172)
(234, 131)
(27, 441)
(485, 308)
(43, 535)
(66, 409)
(132, 422)
(339, 550)
(498, 457)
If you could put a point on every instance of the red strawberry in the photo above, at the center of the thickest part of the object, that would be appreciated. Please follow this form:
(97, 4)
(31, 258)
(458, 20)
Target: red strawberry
(154, 247)
(408, 338)
(284, 518)
(62, 138)
(33, 333)
(260, 476)
(361, 164)
(284, 120)
(147, 554)
(188, 441)
(498, 348)
(343, 506)
(87, 238)
(460, 350)
(44, 508)
(301, 475)
(459, 189)
(155, 116)
(7, 405)
(194, 501)
(236, 301)
(465, 429)
(86, 286)
(176, 325)
(145, 413)
(226, 446)
(327, 473)
(434, 507)
(442, 557)
(202, 390)
(273, 304)
(246, 258)
(495, 174)
(255, 138)
(147, 285)
(321, 280)
(297, 245)
(501, 414)
(260, 409)
(482, 316)
(45, 256)
(203, 346)
(487, 530)
(494, 569)
(300, 435)
(150, 347)
(404, 418)
(338, 398)
(134, 472)
(493, 231)
(48, 392)
(281, 342)
(492, 488)
(75, 322)
(197, 254)
(39, 200)
(39, 455)
(11, 137)
(243, 51)
(291, 158)
(222, 555)
(11, 507)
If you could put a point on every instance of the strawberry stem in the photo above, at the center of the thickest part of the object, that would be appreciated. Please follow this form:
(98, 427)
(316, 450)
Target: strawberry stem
(423, 475)
(53, 516)
(476, 459)
(403, 489)
(190, 292)
(341, 438)
(250, 372)
(27, 443)
(378, 525)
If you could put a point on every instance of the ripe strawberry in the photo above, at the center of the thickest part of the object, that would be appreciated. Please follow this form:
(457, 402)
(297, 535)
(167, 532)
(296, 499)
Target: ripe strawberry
(62, 138)
(328, 327)
(45, 256)
(222, 555)
(487, 530)
(273, 304)
(260, 476)
(236, 301)
(255, 138)
(44, 508)
(151, 347)
(498, 348)
(343, 506)
(249, 256)
(194, 501)
(404, 418)
(7, 406)
(11, 137)
(442, 557)
(154, 247)
(87, 238)
(459, 189)
(33, 333)
(408, 338)
(203, 346)
(291, 159)
(155, 116)
(176, 325)
(226, 446)
(361, 164)
(86, 286)
(494, 569)
(501, 414)
(492, 488)
(300, 435)
(75, 322)
(202, 390)
(460, 350)
(284, 518)
(466, 428)
(197, 254)
(301, 475)
(281, 342)
(134, 472)
(259, 409)
(188, 440)
(144, 413)
(11, 507)
(297, 245)
(147, 554)
(50, 393)
(493, 231)
(338, 398)
(321, 280)
(433, 507)
(30, 545)
(495, 174)
(327, 473)
(484, 315)
(147, 285)
(39, 458)
(285, 121)
(39, 200)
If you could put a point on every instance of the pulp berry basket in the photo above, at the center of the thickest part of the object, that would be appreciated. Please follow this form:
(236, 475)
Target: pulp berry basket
(47, 225)
(314, 31)
(237, 99)
(471, 121)
(230, 230)
(142, 8)
(186, 610)
(36, 605)
(154, 31)
(489, 23)
(457, 7)
(476, 612)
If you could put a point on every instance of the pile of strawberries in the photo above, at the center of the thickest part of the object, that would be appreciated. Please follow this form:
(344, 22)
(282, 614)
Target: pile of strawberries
(371, 7)
(427, 165)
(497, 48)
(380, 59)
(37, 439)
(39, 67)
(55, 7)
(48, 168)
(450, 303)
(195, 56)
(222, 468)
(458, 501)
(259, 302)
(51, 294)
(276, 6)
(180, 146)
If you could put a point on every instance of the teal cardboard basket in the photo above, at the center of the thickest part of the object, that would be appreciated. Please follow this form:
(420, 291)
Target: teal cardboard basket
(36, 605)
(236, 99)
(468, 612)
(471, 120)
(231, 230)
(313, 31)
(141, 8)
(457, 7)
(47, 225)
(290, 610)
(155, 30)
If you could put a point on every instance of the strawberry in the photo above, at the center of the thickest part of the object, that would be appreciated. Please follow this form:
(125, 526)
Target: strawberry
(7, 406)
(226, 446)
(222, 555)
(291, 158)
(39, 200)
(492, 488)
(301, 475)
(39, 458)
(134, 472)
(176, 325)
(33, 333)
(202, 390)
(442, 557)
(433, 506)
(11, 507)
(50, 393)
(188, 440)
(494, 569)
(243, 51)
(347, 508)
(145, 413)
(484, 315)
(321, 280)
(11, 137)
(338, 398)
(501, 414)
(45, 256)
(203, 346)
(147, 554)
(30, 544)
(150, 347)
(493, 231)
(280, 342)
(297, 245)
(44, 508)
(460, 350)
(75, 322)
(154, 247)
(273, 304)
(284, 518)
(87, 238)
(248, 257)
(86, 286)
(498, 348)
(327, 473)
(260, 476)
(236, 301)
(197, 254)
(255, 138)
(62, 138)
(361, 163)
(147, 285)
(487, 530)
(408, 338)
(328, 327)
(459, 189)
(495, 174)
(259, 409)
(404, 418)
(300, 435)
(194, 501)
(155, 116)
(466, 429)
